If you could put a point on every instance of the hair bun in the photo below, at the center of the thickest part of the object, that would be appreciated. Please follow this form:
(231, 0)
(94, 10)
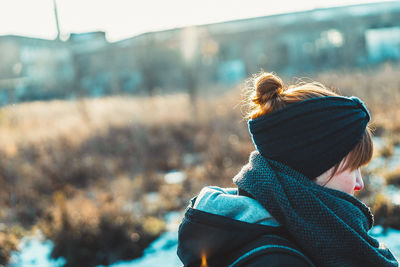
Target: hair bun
(267, 86)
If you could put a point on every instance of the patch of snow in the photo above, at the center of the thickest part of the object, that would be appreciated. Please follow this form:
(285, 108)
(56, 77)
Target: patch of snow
(377, 181)
(396, 150)
(152, 197)
(129, 207)
(390, 237)
(391, 163)
(174, 177)
(396, 198)
(173, 219)
(376, 163)
(394, 160)
(376, 231)
(393, 193)
(379, 144)
(191, 159)
(161, 252)
(33, 251)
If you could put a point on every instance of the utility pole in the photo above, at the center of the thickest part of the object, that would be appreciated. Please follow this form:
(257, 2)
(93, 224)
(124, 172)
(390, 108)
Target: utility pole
(57, 23)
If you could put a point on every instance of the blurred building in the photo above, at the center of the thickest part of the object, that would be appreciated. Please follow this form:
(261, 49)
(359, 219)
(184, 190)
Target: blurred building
(194, 57)
(90, 59)
(294, 44)
(33, 69)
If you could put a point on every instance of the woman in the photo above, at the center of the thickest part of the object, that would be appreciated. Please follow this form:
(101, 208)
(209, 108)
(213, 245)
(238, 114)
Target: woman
(294, 203)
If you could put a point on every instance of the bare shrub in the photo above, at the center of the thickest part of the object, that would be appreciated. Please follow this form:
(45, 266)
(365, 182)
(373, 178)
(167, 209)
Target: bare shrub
(386, 213)
(393, 178)
(91, 232)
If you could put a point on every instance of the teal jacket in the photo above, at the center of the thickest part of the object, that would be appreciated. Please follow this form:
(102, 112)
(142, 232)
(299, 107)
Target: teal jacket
(223, 228)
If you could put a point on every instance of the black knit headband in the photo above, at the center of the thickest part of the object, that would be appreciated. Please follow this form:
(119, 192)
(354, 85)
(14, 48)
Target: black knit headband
(311, 136)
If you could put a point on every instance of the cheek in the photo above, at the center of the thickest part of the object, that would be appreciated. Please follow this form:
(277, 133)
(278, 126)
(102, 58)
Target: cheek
(347, 186)
(344, 182)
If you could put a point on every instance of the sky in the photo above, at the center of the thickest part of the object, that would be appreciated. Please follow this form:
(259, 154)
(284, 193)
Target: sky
(122, 19)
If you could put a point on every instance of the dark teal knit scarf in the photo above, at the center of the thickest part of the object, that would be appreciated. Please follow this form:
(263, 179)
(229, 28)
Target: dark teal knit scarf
(329, 225)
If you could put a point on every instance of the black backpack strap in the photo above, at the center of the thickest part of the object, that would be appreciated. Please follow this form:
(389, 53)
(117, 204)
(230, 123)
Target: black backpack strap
(268, 244)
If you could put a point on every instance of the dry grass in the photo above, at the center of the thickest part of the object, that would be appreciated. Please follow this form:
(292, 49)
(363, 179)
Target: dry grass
(386, 213)
(114, 155)
(393, 177)
(92, 231)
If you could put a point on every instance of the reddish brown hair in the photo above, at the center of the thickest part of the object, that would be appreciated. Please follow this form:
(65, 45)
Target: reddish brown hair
(267, 94)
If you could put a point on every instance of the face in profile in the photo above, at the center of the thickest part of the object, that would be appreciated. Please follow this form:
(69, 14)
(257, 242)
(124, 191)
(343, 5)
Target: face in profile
(347, 181)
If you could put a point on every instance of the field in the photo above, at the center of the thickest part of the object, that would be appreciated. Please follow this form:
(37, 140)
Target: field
(96, 176)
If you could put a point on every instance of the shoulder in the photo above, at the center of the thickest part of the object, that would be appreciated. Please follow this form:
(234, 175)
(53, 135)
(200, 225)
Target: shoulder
(271, 250)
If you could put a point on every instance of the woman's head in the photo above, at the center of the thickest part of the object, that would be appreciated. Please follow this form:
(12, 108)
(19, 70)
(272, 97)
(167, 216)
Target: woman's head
(269, 95)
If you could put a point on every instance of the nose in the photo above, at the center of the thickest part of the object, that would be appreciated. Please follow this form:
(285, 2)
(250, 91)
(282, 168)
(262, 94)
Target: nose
(359, 181)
